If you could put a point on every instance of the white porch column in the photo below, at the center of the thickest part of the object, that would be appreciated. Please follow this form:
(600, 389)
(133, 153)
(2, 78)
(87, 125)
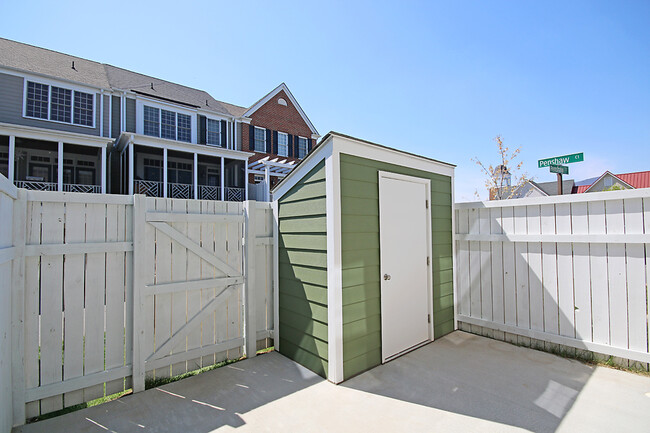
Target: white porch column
(12, 158)
(196, 176)
(234, 134)
(104, 170)
(223, 178)
(246, 181)
(165, 172)
(131, 167)
(60, 167)
(267, 180)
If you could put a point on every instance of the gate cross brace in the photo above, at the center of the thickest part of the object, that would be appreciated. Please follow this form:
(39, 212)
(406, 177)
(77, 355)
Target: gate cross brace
(196, 248)
(195, 321)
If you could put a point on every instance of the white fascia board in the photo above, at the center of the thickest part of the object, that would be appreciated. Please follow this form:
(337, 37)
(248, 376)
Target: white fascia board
(273, 93)
(324, 151)
(390, 156)
(50, 79)
(335, 372)
(203, 149)
(245, 120)
(35, 133)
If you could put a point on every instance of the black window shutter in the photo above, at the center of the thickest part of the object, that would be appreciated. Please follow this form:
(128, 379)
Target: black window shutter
(296, 146)
(202, 126)
(269, 144)
(309, 144)
(251, 138)
(223, 133)
(290, 146)
(275, 142)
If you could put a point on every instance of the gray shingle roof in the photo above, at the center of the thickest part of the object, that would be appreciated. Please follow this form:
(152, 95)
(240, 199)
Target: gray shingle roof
(29, 58)
(41, 61)
(550, 188)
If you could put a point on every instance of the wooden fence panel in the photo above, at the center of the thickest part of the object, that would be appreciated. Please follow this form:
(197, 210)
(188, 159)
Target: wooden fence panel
(574, 269)
(80, 310)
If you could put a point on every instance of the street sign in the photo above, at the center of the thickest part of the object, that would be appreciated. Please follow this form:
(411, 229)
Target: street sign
(559, 160)
(562, 169)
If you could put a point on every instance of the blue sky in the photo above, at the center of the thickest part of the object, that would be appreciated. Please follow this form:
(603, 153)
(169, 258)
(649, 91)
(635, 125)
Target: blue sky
(440, 79)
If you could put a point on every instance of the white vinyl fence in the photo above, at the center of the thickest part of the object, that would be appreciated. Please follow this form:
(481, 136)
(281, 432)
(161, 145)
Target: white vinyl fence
(569, 270)
(117, 290)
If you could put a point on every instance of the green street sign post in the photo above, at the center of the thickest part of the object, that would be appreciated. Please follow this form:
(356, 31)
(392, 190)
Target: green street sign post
(555, 166)
(560, 160)
(561, 169)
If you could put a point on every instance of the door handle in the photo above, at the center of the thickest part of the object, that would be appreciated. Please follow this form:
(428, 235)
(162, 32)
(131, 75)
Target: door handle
(386, 277)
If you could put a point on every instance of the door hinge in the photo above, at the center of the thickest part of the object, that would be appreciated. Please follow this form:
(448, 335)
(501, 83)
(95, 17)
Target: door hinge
(428, 318)
(426, 204)
(428, 261)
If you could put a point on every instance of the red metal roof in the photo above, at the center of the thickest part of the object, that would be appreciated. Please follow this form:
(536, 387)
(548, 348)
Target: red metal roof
(639, 179)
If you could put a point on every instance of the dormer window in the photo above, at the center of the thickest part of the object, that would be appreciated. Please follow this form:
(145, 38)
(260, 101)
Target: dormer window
(59, 104)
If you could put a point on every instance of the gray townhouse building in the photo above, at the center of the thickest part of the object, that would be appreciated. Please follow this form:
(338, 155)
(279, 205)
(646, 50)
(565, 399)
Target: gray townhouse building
(75, 125)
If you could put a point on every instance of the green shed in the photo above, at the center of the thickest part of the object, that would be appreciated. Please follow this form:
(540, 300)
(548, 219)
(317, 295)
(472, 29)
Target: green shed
(364, 266)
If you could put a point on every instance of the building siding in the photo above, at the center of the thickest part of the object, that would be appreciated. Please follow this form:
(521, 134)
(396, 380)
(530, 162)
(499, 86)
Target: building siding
(11, 109)
(361, 258)
(303, 272)
(107, 115)
(116, 118)
(130, 115)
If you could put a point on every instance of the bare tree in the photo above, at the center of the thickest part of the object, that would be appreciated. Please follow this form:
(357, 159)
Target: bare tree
(503, 180)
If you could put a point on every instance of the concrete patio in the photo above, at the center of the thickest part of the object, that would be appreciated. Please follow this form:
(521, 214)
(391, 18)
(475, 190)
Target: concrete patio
(459, 383)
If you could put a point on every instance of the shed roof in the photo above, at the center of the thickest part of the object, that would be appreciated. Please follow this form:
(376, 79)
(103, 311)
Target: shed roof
(318, 150)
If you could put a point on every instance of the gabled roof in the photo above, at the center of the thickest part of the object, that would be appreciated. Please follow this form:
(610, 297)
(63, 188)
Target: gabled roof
(605, 174)
(271, 94)
(24, 57)
(550, 188)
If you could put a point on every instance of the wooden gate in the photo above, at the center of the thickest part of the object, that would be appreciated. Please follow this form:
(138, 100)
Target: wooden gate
(188, 292)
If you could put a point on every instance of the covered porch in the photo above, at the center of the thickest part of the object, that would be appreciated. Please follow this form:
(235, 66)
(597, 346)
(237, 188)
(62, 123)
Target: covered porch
(164, 168)
(50, 161)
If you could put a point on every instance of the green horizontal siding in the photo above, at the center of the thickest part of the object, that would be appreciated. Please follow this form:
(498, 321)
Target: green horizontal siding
(361, 259)
(303, 272)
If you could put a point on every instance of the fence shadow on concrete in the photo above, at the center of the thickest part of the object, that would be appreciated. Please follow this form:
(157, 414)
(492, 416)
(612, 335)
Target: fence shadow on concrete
(199, 404)
(482, 378)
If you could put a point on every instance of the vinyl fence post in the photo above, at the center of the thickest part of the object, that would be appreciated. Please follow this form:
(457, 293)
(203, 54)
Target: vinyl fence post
(18, 308)
(250, 310)
(139, 211)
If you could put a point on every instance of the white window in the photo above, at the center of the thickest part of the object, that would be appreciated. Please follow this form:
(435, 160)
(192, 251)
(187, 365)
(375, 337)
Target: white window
(59, 104)
(609, 181)
(259, 178)
(302, 147)
(260, 139)
(283, 144)
(213, 133)
(167, 124)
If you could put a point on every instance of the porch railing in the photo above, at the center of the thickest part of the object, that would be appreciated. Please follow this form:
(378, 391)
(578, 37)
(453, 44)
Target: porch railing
(235, 194)
(73, 187)
(37, 186)
(180, 190)
(207, 192)
(150, 188)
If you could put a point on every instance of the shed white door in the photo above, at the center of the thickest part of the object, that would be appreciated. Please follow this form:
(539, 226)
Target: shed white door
(404, 245)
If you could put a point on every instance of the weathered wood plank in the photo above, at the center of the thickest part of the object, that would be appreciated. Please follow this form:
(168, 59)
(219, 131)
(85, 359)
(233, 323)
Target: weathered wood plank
(52, 305)
(95, 295)
(73, 295)
(566, 301)
(32, 306)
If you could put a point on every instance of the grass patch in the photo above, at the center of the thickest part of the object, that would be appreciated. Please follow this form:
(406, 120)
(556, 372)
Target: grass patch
(80, 406)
